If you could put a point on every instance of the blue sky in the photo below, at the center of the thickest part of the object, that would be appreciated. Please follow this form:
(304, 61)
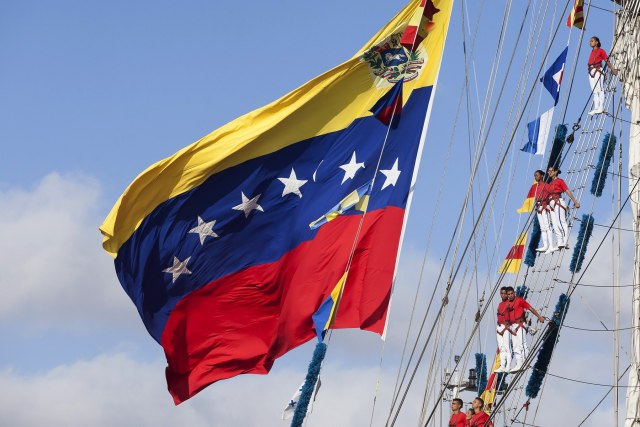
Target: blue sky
(92, 93)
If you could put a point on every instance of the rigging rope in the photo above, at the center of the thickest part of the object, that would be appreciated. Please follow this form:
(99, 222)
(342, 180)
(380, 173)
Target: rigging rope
(603, 398)
(455, 272)
(599, 330)
(453, 239)
(582, 186)
(592, 132)
(473, 234)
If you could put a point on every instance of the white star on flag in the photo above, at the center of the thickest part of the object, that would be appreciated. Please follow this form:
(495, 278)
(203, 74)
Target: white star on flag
(391, 175)
(351, 168)
(204, 229)
(248, 205)
(178, 268)
(292, 184)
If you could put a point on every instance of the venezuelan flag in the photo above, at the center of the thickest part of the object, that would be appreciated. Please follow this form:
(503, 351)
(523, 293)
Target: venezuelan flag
(213, 244)
(512, 262)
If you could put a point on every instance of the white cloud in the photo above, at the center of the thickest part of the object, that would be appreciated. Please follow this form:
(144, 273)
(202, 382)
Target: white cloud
(105, 391)
(60, 280)
(115, 389)
(55, 273)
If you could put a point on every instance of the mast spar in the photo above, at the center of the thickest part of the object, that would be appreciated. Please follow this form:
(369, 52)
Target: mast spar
(627, 52)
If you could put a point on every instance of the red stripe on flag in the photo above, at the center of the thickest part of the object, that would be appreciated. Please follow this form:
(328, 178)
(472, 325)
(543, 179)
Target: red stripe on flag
(409, 39)
(388, 113)
(490, 382)
(416, 32)
(576, 16)
(430, 9)
(242, 322)
(516, 252)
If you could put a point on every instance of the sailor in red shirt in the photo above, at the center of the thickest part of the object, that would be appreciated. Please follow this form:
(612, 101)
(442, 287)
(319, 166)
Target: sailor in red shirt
(542, 211)
(476, 417)
(558, 208)
(516, 317)
(458, 418)
(596, 75)
(502, 334)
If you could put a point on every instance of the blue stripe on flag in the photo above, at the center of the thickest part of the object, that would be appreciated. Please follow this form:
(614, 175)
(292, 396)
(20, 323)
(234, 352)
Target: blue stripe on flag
(321, 317)
(538, 131)
(552, 78)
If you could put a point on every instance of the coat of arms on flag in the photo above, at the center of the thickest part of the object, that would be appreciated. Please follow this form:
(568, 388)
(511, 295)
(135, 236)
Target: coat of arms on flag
(389, 61)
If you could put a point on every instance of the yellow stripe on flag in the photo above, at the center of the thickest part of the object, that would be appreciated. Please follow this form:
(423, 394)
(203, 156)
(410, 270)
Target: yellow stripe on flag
(353, 201)
(335, 296)
(527, 206)
(489, 393)
(513, 261)
(327, 103)
(510, 266)
(576, 17)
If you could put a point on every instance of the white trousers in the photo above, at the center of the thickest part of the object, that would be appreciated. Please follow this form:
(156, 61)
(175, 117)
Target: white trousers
(519, 343)
(558, 214)
(544, 220)
(504, 345)
(595, 81)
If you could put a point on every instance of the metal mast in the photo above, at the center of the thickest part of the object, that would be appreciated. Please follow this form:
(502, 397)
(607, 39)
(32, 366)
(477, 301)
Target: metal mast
(627, 59)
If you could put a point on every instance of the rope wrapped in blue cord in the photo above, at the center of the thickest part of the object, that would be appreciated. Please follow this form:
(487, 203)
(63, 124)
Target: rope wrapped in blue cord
(546, 349)
(579, 251)
(309, 384)
(481, 369)
(604, 160)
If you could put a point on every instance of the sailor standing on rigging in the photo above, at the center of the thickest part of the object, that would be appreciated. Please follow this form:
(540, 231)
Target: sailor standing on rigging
(596, 75)
(502, 333)
(558, 208)
(542, 211)
(515, 316)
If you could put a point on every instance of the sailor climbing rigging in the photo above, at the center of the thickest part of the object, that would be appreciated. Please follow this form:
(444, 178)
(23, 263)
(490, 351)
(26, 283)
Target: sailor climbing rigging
(596, 75)
(502, 333)
(558, 208)
(542, 211)
(515, 316)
